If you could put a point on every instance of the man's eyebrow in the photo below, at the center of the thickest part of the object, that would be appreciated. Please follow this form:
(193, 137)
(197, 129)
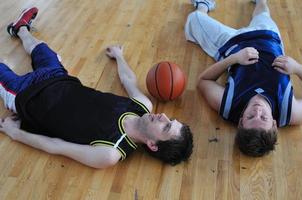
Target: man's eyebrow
(167, 127)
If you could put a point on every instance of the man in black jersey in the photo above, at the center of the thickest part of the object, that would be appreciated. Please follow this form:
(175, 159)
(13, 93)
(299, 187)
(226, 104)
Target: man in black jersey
(61, 116)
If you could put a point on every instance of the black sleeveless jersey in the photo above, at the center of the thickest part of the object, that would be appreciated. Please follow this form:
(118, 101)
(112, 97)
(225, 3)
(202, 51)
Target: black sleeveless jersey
(63, 108)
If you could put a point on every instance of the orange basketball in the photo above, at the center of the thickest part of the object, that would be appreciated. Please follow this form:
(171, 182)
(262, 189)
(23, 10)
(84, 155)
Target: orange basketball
(165, 81)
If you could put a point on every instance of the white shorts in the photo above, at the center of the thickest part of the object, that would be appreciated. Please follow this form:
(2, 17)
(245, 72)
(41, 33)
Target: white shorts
(210, 34)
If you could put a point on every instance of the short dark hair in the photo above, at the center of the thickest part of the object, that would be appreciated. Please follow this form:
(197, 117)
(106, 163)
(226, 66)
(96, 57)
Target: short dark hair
(175, 150)
(256, 142)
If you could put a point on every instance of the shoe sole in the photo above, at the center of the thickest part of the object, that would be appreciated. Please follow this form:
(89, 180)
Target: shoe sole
(10, 29)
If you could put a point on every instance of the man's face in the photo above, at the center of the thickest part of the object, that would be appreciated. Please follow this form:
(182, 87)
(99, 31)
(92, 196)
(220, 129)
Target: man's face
(258, 115)
(160, 127)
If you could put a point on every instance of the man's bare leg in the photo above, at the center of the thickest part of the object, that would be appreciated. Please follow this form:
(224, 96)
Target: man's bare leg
(21, 27)
(28, 40)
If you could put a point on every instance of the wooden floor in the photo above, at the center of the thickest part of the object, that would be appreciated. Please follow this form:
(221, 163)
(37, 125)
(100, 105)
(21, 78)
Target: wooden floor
(151, 31)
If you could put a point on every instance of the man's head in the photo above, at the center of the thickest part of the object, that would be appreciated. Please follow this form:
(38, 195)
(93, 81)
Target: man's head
(257, 115)
(167, 140)
(257, 130)
(256, 142)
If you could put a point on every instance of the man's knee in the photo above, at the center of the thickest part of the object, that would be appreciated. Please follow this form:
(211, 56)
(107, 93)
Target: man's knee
(196, 14)
(193, 23)
(263, 14)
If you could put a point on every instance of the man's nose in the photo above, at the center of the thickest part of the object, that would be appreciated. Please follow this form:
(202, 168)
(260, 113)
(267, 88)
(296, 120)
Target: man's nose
(164, 117)
(258, 112)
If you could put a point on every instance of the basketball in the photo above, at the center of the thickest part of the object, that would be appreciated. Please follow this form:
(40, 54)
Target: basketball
(166, 81)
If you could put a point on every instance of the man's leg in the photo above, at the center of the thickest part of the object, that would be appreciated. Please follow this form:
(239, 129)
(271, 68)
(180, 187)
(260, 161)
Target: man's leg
(43, 58)
(45, 62)
(204, 5)
(261, 6)
(29, 42)
(10, 84)
(209, 33)
(262, 20)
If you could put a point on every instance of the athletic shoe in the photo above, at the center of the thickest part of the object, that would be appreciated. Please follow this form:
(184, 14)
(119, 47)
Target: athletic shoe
(24, 19)
(209, 3)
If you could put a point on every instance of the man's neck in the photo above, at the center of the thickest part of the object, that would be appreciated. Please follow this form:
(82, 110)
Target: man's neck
(262, 98)
(130, 124)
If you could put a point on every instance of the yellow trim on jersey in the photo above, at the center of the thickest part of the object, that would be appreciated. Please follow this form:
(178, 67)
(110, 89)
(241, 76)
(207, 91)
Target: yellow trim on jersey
(140, 104)
(101, 141)
(122, 130)
(109, 144)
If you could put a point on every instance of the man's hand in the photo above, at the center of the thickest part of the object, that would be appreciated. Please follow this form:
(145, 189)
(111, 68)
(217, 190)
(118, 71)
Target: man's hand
(286, 65)
(114, 51)
(246, 56)
(9, 124)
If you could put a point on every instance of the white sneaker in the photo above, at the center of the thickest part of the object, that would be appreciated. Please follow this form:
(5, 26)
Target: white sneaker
(209, 3)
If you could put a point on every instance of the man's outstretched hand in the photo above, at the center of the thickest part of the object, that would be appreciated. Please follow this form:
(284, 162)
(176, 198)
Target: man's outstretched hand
(9, 124)
(114, 51)
(286, 65)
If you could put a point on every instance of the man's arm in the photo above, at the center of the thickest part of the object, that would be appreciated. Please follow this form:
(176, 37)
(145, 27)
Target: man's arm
(210, 89)
(96, 157)
(127, 76)
(288, 65)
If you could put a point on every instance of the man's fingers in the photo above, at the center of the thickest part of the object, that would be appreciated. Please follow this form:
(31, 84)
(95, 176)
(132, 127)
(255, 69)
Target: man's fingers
(255, 51)
(280, 70)
(253, 56)
(278, 64)
(252, 61)
(280, 59)
(109, 53)
(252, 50)
(15, 117)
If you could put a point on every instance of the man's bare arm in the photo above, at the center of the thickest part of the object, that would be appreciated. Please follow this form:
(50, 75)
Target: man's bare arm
(127, 76)
(288, 65)
(210, 89)
(93, 156)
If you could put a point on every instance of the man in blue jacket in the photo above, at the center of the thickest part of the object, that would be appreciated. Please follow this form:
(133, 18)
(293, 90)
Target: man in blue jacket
(258, 95)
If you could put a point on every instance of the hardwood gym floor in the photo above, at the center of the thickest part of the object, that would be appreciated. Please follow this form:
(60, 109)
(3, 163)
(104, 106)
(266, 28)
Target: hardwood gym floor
(151, 31)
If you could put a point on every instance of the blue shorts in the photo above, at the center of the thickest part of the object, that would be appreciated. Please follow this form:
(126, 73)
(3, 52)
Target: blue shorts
(46, 65)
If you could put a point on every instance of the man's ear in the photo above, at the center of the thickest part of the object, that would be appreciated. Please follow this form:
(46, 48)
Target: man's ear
(275, 125)
(240, 123)
(152, 145)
